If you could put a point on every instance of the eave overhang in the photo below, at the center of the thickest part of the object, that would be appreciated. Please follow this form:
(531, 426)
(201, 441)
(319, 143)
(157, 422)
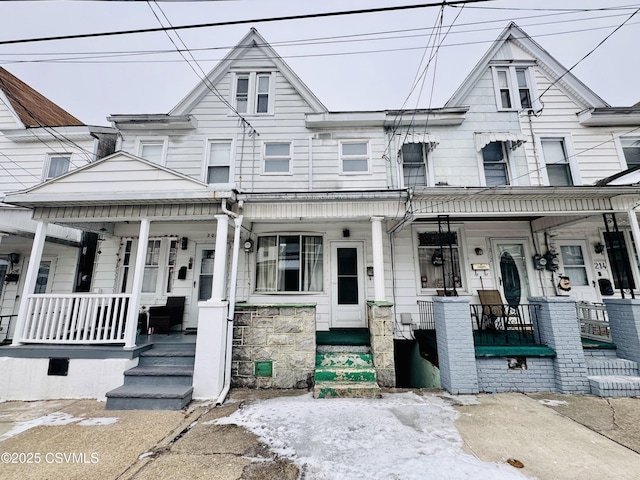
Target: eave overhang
(610, 117)
(388, 118)
(154, 122)
(75, 133)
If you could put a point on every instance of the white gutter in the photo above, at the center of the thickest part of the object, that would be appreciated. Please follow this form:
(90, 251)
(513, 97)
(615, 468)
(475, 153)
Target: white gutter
(232, 303)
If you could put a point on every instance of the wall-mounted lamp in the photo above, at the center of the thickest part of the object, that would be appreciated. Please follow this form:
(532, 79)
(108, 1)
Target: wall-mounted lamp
(346, 233)
(369, 272)
(14, 258)
(479, 251)
(184, 243)
(248, 245)
(598, 247)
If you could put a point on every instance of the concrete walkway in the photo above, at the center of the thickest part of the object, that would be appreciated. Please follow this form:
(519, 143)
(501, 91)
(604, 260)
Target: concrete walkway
(78, 439)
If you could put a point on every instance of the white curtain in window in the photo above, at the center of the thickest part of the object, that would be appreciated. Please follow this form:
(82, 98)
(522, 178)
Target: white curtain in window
(267, 254)
(312, 273)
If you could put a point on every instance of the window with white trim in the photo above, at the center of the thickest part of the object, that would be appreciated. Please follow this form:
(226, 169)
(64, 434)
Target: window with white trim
(631, 151)
(253, 93)
(494, 160)
(414, 165)
(290, 263)
(58, 164)
(159, 265)
(556, 162)
(277, 157)
(439, 259)
(219, 164)
(513, 87)
(354, 157)
(152, 151)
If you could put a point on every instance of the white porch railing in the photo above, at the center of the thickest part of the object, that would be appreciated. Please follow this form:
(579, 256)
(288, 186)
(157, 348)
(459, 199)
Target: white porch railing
(76, 318)
(594, 322)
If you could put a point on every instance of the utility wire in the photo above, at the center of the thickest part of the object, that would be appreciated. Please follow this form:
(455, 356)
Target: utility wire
(242, 22)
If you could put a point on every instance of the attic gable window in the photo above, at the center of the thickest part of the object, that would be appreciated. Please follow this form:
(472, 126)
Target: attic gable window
(514, 88)
(152, 151)
(57, 165)
(253, 93)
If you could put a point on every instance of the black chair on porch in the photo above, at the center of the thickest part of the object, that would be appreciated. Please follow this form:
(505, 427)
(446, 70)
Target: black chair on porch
(163, 318)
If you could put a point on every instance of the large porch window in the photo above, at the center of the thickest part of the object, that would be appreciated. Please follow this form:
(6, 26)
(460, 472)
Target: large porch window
(439, 263)
(159, 266)
(289, 263)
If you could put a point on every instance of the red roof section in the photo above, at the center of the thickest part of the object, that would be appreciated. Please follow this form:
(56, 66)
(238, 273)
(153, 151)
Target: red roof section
(34, 109)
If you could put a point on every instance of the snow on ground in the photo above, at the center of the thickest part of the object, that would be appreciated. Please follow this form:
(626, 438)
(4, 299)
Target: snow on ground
(552, 403)
(55, 419)
(399, 437)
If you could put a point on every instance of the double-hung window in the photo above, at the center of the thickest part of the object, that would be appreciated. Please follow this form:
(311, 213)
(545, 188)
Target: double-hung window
(514, 88)
(57, 165)
(159, 266)
(290, 263)
(152, 151)
(631, 151)
(253, 92)
(219, 164)
(414, 166)
(495, 164)
(557, 162)
(354, 157)
(277, 157)
(439, 260)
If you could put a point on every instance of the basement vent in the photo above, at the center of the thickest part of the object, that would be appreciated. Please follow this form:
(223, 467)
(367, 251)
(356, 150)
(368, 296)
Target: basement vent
(58, 367)
(263, 369)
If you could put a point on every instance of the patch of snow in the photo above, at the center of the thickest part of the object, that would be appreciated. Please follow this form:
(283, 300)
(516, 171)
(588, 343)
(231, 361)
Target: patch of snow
(401, 436)
(145, 455)
(91, 422)
(50, 420)
(552, 403)
(462, 400)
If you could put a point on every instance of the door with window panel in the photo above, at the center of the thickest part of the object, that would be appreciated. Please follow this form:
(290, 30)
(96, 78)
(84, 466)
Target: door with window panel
(202, 280)
(347, 286)
(576, 264)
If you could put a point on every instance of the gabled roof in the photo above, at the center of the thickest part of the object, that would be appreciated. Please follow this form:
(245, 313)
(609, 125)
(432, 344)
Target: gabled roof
(120, 178)
(251, 40)
(630, 176)
(554, 70)
(32, 108)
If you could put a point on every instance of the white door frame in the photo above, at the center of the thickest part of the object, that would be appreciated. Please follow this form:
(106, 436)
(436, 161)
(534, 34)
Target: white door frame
(348, 316)
(200, 247)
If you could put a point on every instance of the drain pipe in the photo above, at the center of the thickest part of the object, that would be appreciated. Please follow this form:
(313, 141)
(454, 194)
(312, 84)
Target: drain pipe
(232, 304)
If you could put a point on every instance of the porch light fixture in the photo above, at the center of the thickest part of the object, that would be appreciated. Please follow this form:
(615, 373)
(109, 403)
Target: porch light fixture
(479, 251)
(14, 258)
(370, 272)
(598, 247)
(184, 242)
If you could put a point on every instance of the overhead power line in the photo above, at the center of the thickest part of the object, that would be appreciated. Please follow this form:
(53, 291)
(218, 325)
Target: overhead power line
(242, 22)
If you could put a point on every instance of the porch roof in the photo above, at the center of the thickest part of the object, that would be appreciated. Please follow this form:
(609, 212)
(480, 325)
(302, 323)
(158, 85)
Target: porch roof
(119, 179)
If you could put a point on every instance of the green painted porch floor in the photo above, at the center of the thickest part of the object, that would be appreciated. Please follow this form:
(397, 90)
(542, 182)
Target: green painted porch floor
(343, 336)
(589, 343)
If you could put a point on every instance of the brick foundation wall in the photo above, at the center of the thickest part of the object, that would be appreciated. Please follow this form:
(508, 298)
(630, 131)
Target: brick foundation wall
(282, 334)
(495, 376)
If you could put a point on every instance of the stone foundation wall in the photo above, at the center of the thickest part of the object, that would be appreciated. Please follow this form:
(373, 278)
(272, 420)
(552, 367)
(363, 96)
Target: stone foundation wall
(282, 334)
(380, 315)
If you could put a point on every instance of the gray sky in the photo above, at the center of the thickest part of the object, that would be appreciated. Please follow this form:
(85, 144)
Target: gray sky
(92, 89)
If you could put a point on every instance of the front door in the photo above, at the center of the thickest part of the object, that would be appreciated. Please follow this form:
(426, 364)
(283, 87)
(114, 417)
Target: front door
(202, 280)
(575, 264)
(513, 275)
(347, 286)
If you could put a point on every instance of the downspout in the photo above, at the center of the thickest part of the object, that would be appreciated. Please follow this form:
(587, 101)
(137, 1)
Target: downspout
(237, 219)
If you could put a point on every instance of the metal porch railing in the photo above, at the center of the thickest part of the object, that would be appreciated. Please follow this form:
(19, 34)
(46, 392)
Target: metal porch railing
(77, 318)
(500, 324)
(594, 321)
(427, 319)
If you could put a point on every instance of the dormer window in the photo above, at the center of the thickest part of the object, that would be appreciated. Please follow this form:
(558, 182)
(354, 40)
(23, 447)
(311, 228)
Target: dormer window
(514, 88)
(57, 165)
(253, 93)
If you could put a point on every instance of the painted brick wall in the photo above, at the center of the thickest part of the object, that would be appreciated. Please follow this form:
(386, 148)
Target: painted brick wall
(560, 330)
(495, 376)
(284, 335)
(624, 321)
(456, 353)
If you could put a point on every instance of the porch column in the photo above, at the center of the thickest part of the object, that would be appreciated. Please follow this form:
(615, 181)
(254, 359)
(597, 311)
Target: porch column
(220, 259)
(30, 279)
(136, 286)
(378, 259)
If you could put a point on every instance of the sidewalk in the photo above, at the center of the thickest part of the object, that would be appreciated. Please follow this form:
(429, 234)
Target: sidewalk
(78, 439)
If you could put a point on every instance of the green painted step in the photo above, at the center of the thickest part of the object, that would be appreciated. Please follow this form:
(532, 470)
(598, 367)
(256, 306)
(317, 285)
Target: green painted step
(344, 359)
(346, 390)
(358, 374)
(344, 336)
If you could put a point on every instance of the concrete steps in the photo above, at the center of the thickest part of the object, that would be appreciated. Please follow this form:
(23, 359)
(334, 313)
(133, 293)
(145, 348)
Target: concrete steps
(613, 377)
(345, 372)
(161, 381)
